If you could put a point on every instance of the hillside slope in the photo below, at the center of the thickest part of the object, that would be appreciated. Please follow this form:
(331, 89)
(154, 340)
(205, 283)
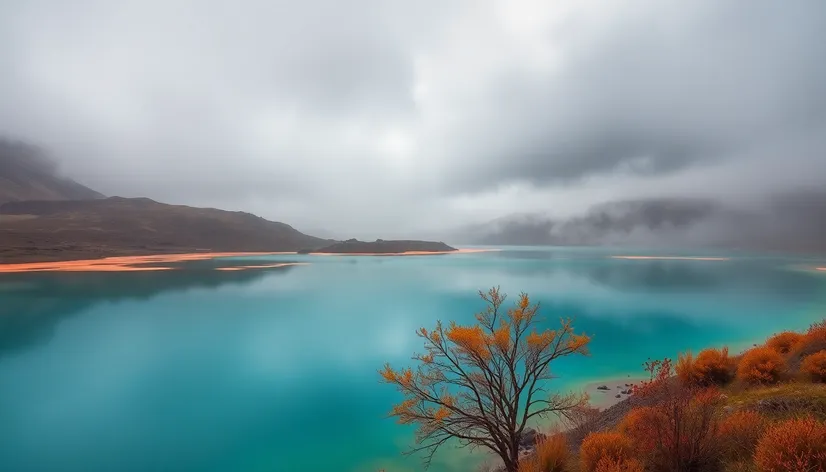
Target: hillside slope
(85, 229)
(27, 174)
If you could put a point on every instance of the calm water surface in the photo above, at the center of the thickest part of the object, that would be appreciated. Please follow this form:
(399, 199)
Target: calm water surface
(275, 370)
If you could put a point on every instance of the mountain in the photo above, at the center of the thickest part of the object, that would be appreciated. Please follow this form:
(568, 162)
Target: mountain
(26, 173)
(86, 229)
(789, 222)
(380, 246)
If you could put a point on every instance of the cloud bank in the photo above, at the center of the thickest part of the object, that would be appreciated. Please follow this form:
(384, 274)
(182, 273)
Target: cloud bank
(373, 118)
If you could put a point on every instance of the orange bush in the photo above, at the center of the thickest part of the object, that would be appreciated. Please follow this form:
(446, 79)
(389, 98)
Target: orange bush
(551, 455)
(739, 433)
(710, 367)
(607, 464)
(637, 425)
(784, 342)
(760, 365)
(793, 445)
(685, 368)
(714, 367)
(815, 366)
(610, 445)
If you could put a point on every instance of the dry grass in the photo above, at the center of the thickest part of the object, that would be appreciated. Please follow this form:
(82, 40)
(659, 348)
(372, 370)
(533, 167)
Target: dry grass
(597, 446)
(551, 455)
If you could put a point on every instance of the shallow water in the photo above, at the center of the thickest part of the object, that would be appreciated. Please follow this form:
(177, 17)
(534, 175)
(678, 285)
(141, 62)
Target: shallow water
(275, 369)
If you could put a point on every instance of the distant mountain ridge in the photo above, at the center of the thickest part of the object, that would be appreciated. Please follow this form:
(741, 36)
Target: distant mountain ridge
(85, 229)
(26, 173)
(380, 246)
(791, 222)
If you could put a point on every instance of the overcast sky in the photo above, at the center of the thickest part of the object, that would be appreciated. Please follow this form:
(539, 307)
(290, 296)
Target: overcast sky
(377, 118)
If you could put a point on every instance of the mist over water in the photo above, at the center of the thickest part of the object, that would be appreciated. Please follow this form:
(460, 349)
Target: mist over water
(275, 370)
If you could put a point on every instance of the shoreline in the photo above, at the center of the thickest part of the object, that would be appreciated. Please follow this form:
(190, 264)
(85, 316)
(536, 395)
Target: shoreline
(137, 263)
(123, 263)
(406, 253)
(603, 399)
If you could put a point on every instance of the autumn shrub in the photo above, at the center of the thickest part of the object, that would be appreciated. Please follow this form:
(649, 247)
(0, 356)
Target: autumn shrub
(739, 433)
(551, 455)
(678, 432)
(813, 342)
(637, 425)
(761, 365)
(685, 368)
(815, 366)
(607, 464)
(794, 445)
(784, 342)
(604, 445)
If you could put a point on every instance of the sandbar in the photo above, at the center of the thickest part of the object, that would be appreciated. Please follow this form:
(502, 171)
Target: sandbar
(123, 263)
(674, 258)
(406, 253)
(821, 268)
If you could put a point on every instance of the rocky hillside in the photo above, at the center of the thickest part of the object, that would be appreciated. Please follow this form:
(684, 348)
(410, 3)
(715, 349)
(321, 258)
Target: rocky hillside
(27, 174)
(84, 229)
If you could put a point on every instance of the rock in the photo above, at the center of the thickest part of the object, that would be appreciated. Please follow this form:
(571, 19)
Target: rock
(529, 438)
(618, 396)
(603, 387)
(625, 392)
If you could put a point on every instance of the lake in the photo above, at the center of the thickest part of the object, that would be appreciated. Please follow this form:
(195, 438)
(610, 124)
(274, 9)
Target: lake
(276, 370)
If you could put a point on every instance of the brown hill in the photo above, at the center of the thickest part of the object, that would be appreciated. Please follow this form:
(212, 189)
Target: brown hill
(380, 246)
(27, 174)
(85, 229)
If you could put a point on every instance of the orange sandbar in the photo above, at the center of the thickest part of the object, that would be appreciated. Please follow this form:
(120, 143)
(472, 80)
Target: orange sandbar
(406, 253)
(123, 263)
(678, 258)
(821, 268)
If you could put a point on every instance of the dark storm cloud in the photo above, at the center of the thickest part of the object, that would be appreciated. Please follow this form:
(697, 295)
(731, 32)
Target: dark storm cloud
(656, 88)
(376, 115)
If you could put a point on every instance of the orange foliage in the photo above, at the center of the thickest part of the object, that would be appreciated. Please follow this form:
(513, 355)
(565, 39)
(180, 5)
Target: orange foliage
(711, 367)
(793, 445)
(607, 464)
(551, 455)
(604, 445)
(637, 425)
(471, 339)
(760, 365)
(678, 432)
(815, 366)
(784, 342)
(739, 433)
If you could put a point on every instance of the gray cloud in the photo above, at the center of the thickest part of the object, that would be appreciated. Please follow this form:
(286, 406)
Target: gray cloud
(371, 118)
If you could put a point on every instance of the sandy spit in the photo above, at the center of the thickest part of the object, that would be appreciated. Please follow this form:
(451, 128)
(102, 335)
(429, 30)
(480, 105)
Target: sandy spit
(408, 253)
(675, 258)
(123, 263)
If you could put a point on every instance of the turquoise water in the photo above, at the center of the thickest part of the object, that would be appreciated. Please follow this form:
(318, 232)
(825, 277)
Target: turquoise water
(275, 370)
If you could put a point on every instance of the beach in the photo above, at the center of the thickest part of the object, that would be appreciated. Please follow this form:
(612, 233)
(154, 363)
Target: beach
(124, 263)
(140, 263)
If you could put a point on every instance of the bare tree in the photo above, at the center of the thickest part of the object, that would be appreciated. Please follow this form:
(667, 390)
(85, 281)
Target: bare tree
(481, 384)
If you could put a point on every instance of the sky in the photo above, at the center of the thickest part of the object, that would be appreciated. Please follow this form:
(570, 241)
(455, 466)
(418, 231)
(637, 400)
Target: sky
(378, 118)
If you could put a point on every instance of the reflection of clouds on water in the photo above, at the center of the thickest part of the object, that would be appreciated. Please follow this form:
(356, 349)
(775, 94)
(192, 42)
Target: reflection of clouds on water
(32, 305)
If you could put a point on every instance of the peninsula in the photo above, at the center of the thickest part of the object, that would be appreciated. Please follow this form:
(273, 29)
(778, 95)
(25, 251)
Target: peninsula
(383, 247)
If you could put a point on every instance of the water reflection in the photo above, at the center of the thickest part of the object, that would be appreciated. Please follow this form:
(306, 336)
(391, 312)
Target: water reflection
(33, 304)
